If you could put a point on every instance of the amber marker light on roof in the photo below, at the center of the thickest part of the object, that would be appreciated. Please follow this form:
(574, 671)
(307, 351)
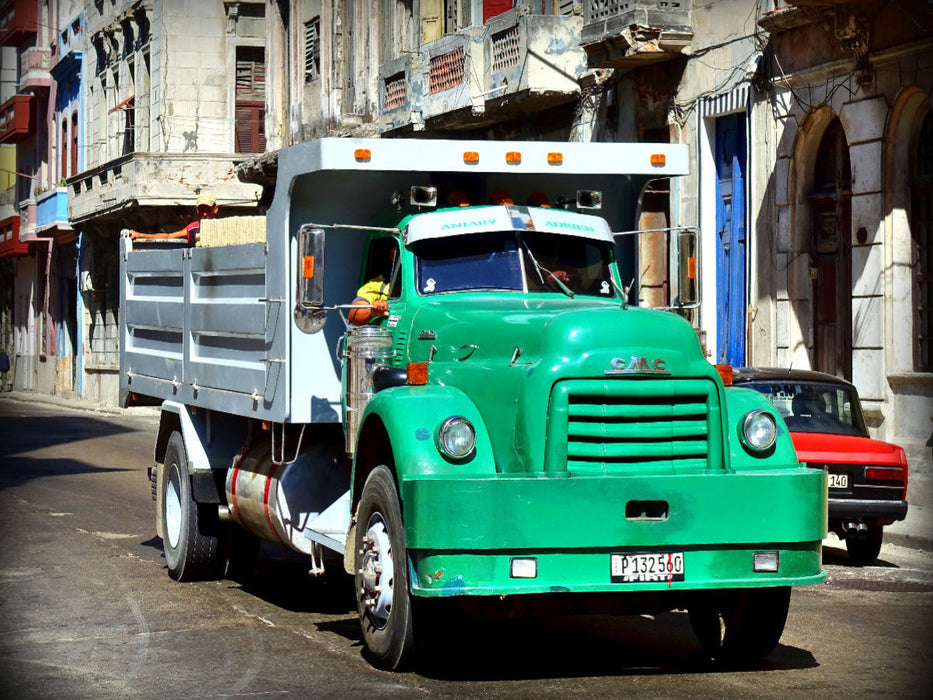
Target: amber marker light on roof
(417, 373)
(470, 157)
(362, 154)
(658, 159)
(555, 158)
(513, 157)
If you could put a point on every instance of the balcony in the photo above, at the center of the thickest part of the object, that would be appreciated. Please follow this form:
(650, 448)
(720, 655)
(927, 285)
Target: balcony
(34, 70)
(632, 33)
(10, 245)
(52, 209)
(103, 194)
(17, 118)
(401, 94)
(532, 61)
(452, 79)
(19, 21)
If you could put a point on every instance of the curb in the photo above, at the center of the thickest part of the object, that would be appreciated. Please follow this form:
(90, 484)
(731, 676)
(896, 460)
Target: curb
(907, 540)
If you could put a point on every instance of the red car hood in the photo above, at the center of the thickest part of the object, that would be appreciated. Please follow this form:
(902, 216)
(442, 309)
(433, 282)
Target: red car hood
(823, 447)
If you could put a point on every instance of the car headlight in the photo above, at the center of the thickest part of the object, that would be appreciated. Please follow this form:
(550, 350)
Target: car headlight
(759, 430)
(456, 437)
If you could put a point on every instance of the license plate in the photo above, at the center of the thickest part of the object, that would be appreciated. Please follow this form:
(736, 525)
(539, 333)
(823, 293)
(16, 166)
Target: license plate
(838, 481)
(647, 567)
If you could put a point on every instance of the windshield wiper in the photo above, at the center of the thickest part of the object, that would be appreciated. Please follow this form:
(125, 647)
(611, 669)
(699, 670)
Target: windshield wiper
(539, 269)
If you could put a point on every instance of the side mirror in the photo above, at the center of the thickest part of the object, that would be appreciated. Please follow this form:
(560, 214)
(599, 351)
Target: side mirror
(688, 293)
(310, 315)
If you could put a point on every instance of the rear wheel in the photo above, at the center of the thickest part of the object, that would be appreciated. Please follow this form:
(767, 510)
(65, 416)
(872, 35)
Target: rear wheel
(865, 551)
(742, 625)
(382, 597)
(192, 532)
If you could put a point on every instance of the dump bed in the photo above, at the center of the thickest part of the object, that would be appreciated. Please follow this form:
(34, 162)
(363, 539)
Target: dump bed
(213, 327)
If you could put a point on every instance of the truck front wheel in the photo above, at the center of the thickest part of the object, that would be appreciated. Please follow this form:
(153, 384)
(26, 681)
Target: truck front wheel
(192, 532)
(382, 596)
(742, 625)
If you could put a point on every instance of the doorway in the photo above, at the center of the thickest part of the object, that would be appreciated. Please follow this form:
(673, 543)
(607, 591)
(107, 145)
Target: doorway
(731, 165)
(830, 252)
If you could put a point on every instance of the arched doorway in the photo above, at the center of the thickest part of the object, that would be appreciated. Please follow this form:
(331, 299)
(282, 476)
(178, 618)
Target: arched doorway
(830, 253)
(921, 228)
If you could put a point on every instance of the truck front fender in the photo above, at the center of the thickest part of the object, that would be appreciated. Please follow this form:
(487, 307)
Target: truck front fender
(739, 402)
(411, 418)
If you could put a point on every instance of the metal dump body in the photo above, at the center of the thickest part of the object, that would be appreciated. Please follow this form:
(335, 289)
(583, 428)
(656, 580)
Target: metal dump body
(214, 328)
(194, 327)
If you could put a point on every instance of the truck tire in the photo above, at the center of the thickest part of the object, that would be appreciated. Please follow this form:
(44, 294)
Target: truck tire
(740, 625)
(192, 532)
(382, 596)
(865, 551)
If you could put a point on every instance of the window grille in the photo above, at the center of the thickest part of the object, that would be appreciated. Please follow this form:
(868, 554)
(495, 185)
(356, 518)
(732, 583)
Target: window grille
(395, 92)
(312, 49)
(505, 49)
(446, 70)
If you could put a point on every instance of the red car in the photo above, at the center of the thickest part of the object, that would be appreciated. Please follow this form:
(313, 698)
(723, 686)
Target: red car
(867, 478)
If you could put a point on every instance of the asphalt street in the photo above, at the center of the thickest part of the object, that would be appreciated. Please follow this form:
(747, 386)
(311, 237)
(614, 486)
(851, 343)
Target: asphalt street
(87, 610)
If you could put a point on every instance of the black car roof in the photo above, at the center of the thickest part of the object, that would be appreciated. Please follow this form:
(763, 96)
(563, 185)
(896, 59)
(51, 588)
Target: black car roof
(741, 375)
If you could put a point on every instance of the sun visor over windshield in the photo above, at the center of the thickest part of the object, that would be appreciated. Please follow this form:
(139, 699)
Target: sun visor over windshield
(504, 218)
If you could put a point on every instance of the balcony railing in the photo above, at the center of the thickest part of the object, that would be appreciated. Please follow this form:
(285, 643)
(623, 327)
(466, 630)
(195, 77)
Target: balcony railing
(401, 93)
(533, 60)
(52, 209)
(19, 20)
(629, 33)
(451, 76)
(17, 118)
(34, 69)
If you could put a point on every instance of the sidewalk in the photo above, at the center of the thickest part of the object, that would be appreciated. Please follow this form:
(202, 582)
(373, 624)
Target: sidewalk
(915, 531)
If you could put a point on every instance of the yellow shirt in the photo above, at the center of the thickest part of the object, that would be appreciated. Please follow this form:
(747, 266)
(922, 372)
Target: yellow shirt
(374, 290)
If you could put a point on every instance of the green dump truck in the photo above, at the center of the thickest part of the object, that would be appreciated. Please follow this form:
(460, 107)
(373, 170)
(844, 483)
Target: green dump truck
(513, 434)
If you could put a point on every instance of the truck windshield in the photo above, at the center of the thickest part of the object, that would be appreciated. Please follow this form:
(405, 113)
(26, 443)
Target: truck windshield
(501, 261)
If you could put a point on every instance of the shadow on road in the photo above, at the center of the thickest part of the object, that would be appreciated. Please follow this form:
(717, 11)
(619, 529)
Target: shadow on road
(16, 471)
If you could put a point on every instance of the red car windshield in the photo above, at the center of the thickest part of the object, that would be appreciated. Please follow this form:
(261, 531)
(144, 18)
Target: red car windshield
(813, 407)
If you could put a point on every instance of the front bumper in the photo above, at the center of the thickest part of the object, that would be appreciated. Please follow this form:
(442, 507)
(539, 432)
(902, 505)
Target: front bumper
(463, 533)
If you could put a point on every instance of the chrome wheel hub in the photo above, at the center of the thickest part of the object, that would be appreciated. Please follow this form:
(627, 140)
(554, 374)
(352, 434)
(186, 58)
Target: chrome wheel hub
(376, 573)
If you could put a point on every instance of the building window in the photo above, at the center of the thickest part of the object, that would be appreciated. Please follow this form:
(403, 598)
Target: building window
(74, 143)
(921, 228)
(312, 49)
(250, 133)
(64, 147)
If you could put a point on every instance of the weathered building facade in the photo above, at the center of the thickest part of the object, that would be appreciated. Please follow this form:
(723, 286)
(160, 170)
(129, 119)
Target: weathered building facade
(39, 243)
(846, 104)
(173, 98)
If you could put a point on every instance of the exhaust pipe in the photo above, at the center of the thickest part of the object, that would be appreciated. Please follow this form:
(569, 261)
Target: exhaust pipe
(855, 530)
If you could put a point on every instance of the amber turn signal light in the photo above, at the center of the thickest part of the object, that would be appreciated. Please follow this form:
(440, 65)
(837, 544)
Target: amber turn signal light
(417, 373)
(725, 372)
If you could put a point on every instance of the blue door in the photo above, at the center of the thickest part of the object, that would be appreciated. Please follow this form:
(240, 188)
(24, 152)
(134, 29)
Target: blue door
(730, 244)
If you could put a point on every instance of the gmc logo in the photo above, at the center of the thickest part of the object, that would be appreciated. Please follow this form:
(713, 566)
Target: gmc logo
(637, 365)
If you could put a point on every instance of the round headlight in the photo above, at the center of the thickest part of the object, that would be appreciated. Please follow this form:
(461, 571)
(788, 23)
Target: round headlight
(759, 430)
(456, 438)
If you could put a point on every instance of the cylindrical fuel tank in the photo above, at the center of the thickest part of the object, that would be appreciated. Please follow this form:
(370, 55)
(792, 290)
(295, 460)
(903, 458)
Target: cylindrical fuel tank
(366, 348)
(278, 502)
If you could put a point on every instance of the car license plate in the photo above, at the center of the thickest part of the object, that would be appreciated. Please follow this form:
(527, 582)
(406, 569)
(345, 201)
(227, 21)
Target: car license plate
(647, 567)
(838, 481)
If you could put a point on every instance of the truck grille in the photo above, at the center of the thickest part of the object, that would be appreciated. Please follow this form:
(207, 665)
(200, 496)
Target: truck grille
(633, 425)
